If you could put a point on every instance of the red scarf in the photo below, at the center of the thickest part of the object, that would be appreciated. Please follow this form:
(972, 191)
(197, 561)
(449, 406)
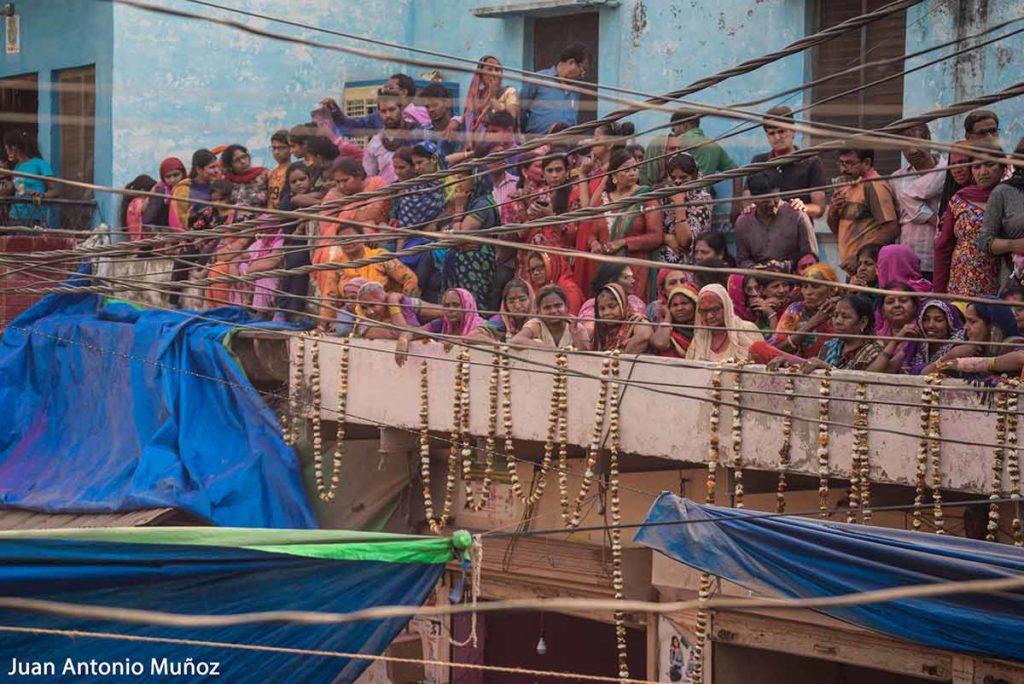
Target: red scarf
(245, 177)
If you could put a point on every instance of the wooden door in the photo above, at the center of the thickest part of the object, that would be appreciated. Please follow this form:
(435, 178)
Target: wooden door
(552, 34)
(76, 109)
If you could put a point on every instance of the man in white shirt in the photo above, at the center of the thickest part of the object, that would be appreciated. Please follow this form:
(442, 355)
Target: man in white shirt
(917, 198)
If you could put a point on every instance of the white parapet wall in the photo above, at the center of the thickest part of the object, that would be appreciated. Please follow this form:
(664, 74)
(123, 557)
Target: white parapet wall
(665, 409)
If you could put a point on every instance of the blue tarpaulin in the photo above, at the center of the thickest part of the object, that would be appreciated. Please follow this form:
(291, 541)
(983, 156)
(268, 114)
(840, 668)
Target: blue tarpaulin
(210, 572)
(108, 408)
(800, 558)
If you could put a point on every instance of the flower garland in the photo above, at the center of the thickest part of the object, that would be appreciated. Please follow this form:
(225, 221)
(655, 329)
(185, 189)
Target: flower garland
(737, 438)
(458, 444)
(558, 414)
(935, 453)
(860, 450)
(713, 447)
(704, 585)
(290, 424)
(571, 512)
(424, 444)
(922, 454)
(786, 450)
(1002, 402)
(473, 502)
(824, 394)
(616, 514)
(1013, 457)
(505, 380)
(325, 492)
(865, 462)
(314, 382)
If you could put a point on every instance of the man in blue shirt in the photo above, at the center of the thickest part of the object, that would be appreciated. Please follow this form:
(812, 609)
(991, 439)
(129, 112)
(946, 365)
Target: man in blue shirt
(543, 106)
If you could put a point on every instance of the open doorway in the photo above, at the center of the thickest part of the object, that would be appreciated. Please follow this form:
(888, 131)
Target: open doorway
(552, 34)
(19, 104)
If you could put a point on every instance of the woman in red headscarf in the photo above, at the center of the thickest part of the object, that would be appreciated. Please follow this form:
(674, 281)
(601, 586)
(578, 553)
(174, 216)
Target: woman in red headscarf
(674, 331)
(540, 269)
(488, 94)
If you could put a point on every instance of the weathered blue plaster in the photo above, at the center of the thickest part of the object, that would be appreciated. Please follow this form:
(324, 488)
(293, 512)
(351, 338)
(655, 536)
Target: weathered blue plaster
(988, 69)
(62, 34)
(170, 85)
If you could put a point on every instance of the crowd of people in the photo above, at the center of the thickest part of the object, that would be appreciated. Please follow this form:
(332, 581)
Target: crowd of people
(948, 223)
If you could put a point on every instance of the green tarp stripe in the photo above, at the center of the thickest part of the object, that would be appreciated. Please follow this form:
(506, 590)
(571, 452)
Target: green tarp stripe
(381, 546)
(430, 551)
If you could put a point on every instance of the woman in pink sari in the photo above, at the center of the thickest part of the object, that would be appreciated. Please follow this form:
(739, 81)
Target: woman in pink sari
(487, 94)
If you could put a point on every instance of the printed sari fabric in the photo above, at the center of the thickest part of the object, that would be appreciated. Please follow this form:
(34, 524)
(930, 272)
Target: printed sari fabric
(471, 266)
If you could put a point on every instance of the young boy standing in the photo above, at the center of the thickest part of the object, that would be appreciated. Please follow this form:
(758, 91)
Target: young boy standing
(276, 178)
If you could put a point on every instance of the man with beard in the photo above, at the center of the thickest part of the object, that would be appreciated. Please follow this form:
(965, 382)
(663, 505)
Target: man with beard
(377, 159)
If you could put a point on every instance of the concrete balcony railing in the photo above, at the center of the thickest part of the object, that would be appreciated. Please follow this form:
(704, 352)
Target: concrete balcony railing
(665, 410)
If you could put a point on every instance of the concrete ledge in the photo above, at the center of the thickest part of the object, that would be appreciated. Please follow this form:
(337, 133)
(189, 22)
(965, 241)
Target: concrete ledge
(656, 423)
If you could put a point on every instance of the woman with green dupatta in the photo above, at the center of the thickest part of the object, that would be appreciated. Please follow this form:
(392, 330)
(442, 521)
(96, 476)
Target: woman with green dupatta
(634, 230)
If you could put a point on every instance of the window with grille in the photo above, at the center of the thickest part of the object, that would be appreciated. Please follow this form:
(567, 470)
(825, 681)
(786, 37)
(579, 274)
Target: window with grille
(872, 107)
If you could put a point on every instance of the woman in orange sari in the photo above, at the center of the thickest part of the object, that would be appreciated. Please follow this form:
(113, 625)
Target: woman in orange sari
(348, 177)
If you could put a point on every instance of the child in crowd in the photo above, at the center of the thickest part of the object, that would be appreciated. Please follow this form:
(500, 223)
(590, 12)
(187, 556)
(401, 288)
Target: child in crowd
(276, 178)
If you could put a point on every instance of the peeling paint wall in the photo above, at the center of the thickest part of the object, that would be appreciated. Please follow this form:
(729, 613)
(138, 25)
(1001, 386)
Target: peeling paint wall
(985, 70)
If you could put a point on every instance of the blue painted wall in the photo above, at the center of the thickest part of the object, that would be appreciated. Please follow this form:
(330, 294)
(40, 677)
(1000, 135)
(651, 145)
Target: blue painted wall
(985, 70)
(61, 34)
(179, 84)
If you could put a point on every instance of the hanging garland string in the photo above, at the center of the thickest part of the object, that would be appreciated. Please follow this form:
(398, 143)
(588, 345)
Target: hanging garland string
(477, 502)
(1002, 401)
(458, 447)
(424, 444)
(935, 453)
(327, 492)
(572, 512)
(824, 394)
(704, 583)
(558, 409)
(614, 437)
(922, 454)
(860, 438)
(290, 424)
(786, 450)
(1013, 457)
(737, 438)
(713, 446)
(314, 382)
(864, 453)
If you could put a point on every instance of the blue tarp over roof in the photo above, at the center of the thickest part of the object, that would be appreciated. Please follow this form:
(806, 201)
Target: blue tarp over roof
(801, 558)
(209, 572)
(107, 408)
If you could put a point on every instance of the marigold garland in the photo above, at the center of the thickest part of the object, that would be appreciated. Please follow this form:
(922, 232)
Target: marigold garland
(737, 439)
(572, 512)
(860, 449)
(922, 454)
(786, 450)
(824, 394)
(477, 502)
(314, 382)
(616, 513)
(865, 466)
(713, 446)
(935, 453)
(290, 424)
(558, 410)
(1013, 457)
(1002, 401)
(328, 492)
(424, 445)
